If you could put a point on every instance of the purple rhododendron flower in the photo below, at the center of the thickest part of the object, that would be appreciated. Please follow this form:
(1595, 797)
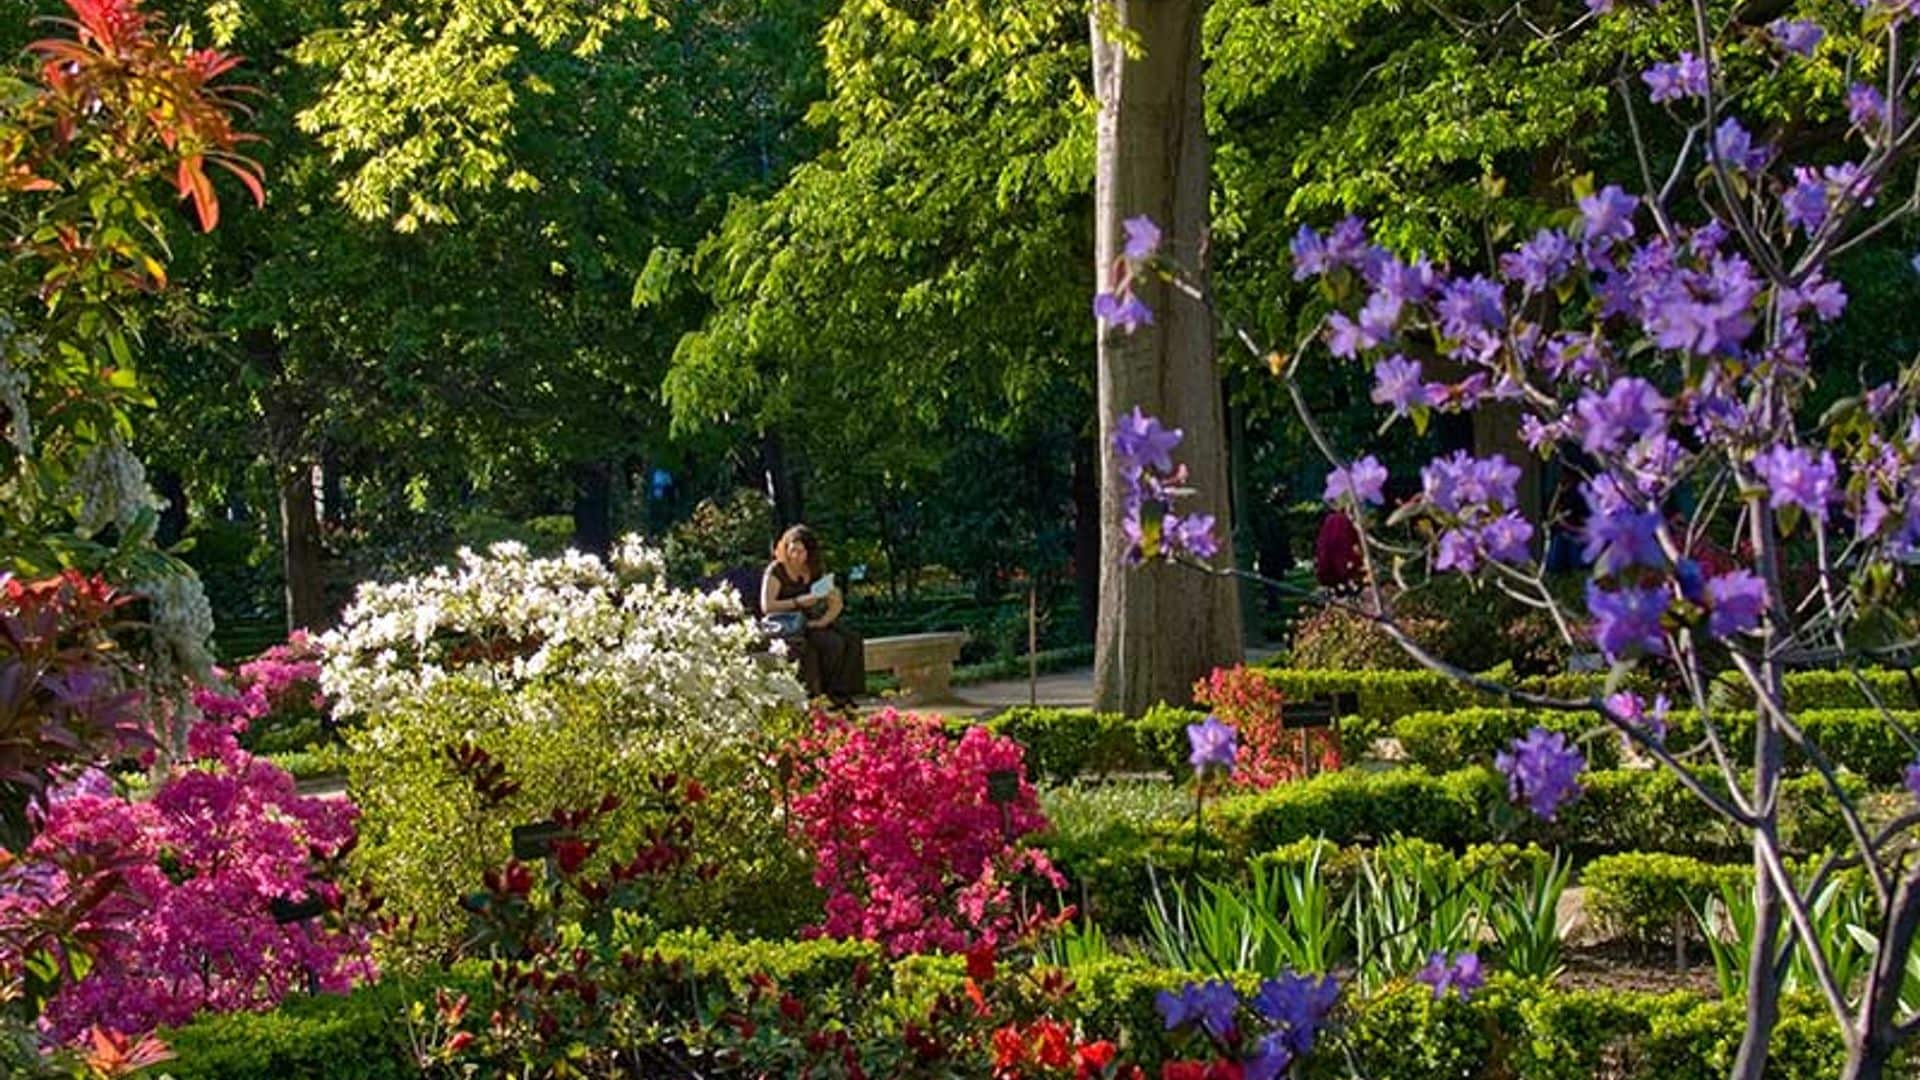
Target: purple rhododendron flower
(1626, 621)
(1192, 534)
(1344, 336)
(1471, 308)
(1123, 310)
(1142, 442)
(1622, 539)
(1913, 779)
(1797, 35)
(1412, 283)
(1734, 146)
(1143, 237)
(1309, 254)
(1735, 602)
(1462, 974)
(1542, 770)
(1213, 745)
(1397, 382)
(1609, 216)
(1378, 319)
(1507, 537)
(1461, 481)
(1458, 550)
(1539, 262)
(1364, 481)
(1805, 203)
(1684, 78)
(1632, 709)
(1794, 477)
(1630, 409)
(1866, 106)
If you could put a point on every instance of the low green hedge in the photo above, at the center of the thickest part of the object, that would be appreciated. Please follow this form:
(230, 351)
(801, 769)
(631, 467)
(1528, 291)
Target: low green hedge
(1383, 697)
(1063, 744)
(1510, 1029)
(1642, 810)
(1645, 896)
(1439, 741)
(1860, 740)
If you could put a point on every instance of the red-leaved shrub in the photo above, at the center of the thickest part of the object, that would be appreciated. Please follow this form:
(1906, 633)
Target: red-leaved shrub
(1268, 753)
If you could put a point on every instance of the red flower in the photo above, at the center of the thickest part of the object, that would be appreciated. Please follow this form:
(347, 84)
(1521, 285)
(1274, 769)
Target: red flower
(1094, 1059)
(1052, 1046)
(980, 962)
(1009, 1049)
(571, 855)
(791, 1008)
(460, 1041)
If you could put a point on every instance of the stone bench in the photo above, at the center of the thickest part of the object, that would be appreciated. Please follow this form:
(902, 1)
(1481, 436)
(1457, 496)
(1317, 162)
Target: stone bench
(922, 662)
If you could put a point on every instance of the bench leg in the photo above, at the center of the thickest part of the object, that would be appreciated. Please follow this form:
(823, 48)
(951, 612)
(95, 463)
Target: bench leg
(928, 683)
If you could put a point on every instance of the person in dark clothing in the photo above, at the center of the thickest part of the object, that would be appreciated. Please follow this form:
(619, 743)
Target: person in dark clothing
(832, 657)
(1336, 551)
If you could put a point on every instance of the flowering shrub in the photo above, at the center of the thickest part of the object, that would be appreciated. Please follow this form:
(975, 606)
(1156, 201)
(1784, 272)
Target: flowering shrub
(1666, 347)
(907, 838)
(171, 901)
(275, 696)
(509, 620)
(1268, 753)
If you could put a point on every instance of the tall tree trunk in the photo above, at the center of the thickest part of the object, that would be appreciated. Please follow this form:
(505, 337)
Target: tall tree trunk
(1161, 627)
(302, 556)
(593, 507)
(788, 507)
(1086, 536)
(290, 454)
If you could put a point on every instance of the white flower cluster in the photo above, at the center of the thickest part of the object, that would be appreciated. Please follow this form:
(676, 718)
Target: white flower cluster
(111, 486)
(182, 622)
(678, 657)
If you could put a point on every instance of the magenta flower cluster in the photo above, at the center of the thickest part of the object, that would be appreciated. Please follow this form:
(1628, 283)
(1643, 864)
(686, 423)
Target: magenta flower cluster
(908, 842)
(283, 680)
(179, 892)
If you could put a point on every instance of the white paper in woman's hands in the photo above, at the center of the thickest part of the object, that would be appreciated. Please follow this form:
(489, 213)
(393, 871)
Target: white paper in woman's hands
(822, 587)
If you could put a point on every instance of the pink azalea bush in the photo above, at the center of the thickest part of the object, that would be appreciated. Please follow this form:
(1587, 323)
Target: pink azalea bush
(282, 683)
(178, 892)
(908, 844)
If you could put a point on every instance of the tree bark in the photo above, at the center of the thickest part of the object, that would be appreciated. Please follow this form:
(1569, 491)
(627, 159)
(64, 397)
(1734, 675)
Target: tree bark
(1161, 627)
(302, 556)
(788, 507)
(289, 452)
(593, 507)
(1763, 985)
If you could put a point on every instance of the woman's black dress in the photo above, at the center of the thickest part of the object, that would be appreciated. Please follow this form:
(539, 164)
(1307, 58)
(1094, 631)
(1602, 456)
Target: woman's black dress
(833, 660)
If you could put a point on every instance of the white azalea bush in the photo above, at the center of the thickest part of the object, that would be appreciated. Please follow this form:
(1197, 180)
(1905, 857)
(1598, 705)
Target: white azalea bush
(500, 690)
(507, 619)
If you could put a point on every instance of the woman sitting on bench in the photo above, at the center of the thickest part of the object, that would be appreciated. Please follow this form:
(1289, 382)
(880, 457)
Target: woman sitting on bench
(832, 659)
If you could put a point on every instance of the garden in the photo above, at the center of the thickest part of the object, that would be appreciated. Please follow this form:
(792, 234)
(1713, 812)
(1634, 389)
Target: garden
(1482, 547)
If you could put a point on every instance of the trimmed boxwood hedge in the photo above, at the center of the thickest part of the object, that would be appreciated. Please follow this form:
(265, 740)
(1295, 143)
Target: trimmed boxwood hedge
(1620, 810)
(1511, 1028)
(1860, 740)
